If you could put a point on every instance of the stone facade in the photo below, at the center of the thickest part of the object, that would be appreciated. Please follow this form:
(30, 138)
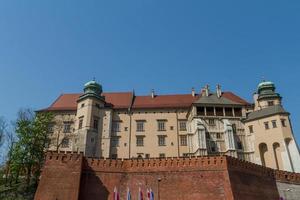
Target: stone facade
(123, 125)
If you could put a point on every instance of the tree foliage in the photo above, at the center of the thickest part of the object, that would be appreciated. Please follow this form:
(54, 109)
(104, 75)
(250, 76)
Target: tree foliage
(26, 157)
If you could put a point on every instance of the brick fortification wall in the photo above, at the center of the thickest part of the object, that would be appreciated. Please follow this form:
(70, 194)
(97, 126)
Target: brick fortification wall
(73, 177)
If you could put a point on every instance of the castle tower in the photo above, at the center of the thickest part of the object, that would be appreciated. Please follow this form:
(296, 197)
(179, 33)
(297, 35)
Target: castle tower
(92, 119)
(270, 130)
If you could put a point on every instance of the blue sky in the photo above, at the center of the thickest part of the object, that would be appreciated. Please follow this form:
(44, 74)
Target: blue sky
(53, 47)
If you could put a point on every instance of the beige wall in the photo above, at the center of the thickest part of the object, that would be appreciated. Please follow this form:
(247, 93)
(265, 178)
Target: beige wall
(270, 137)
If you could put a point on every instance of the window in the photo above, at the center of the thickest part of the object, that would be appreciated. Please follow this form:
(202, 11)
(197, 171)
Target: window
(234, 128)
(228, 112)
(65, 143)
(266, 125)
(200, 111)
(67, 127)
(97, 105)
(161, 125)
(125, 128)
(147, 155)
(283, 122)
(114, 141)
(140, 126)
(161, 140)
(114, 156)
(95, 125)
(210, 111)
(250, 129)
(212, 146)
(92, 140)
(185, 154)
(274, 124)
(171, 128)
(80, 123)
(270, 103)
(182, 125)
(116, 126)
(211, 122)
(207, 135)
(139, 141)
(239, 145)
(219, 111)
(82, 105)
(237, 112)
(51, 127)
(162, 155)
(183, 140)
(218, 135)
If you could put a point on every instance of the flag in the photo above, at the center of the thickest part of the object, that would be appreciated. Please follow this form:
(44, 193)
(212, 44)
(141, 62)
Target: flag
(151, 194)
(140, 196)
(148, 194)
(116, 194)
(128, 194)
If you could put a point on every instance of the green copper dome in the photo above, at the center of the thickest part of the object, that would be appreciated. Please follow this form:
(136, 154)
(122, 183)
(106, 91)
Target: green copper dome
(266, 90)
(92, 87)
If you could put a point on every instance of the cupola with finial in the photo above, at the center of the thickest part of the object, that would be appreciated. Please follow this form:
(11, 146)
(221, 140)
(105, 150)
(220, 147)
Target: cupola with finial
(92, 89)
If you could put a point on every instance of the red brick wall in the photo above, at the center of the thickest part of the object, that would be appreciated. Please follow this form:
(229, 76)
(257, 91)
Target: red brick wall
(66, 177)
(60, 179)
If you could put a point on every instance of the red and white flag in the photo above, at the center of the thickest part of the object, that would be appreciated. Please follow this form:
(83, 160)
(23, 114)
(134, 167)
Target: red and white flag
(116, 194)
(140, 196)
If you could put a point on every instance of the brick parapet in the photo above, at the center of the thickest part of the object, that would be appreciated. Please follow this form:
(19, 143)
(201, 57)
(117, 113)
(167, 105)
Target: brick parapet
(156, 164)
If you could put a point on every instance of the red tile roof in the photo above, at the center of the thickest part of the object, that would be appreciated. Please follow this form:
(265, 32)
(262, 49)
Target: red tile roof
(164, 101)
(123, 100)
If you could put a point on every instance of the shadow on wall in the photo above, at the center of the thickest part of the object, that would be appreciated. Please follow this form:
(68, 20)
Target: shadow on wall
(91, 187)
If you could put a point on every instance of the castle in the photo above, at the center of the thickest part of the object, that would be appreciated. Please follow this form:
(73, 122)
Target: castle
(124, 125)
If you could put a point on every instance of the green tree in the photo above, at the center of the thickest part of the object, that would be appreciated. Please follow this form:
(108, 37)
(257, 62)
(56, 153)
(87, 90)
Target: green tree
(27, 154)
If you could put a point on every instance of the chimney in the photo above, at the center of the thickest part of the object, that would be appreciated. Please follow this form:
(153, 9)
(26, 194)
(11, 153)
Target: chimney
(193, 91)
(206, 90)
(219, 91)
(152, 93)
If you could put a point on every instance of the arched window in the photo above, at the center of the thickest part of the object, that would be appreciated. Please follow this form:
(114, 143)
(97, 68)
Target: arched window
(276, 149)
(288, 147)
(263, 149)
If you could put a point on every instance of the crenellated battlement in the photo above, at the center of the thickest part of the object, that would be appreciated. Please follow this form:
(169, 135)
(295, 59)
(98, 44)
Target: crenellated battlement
(156, 164)
(52, 156)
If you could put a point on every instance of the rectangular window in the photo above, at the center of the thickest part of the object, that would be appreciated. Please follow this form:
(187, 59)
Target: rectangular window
(183, 140)
(239, 145)
(67, 127)
(283, 122)
(211, 122)
(210, 111)
(147, 155)
(250, 129)
(200, 111)
(139, 141)
(274, 124)
(218, 135)
(65, 143)
(114, 156)
(270, 103)
(219, 111)
(182, 125)
(80, 123)
(115, 141)
(95, 125)
(238, 112)
(228, 112)
(161, 125)
(140, 126)
(162, 155)
(161, 140)
(234, 128)
(116, 127)
(266, 125)
(51, 127)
